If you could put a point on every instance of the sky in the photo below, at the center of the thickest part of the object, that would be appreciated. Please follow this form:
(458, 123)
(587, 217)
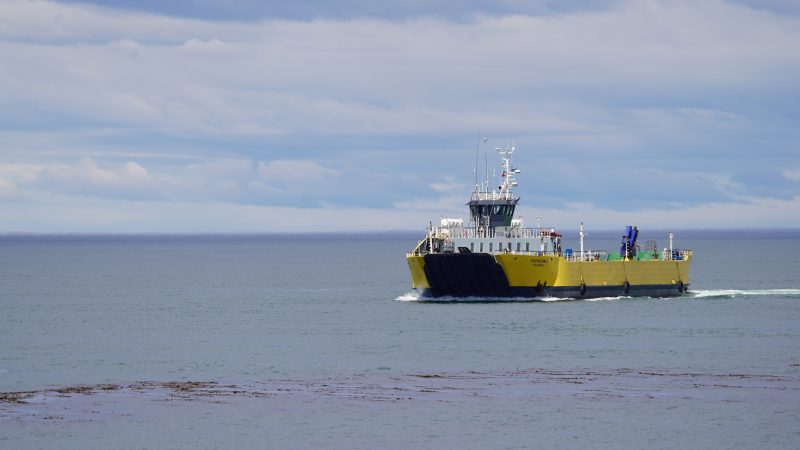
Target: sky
(252, 116)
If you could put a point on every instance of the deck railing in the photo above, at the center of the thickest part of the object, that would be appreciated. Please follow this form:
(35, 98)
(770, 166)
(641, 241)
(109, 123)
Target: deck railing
(587, 255)
(676, 255)
(485, 233)
(529, 233)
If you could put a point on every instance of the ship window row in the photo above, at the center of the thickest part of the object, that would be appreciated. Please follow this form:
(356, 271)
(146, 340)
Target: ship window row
(492, 210)
(499, 246)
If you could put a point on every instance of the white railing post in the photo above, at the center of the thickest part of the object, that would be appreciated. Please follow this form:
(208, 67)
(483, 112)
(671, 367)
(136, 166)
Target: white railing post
(670, 243)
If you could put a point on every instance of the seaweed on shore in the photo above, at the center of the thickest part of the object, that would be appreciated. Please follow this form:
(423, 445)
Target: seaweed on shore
(16, 397)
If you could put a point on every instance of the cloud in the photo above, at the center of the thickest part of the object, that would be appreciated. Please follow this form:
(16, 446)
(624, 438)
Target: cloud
(792, 174)
(206, 46)
(21, 172)
(757, 213)
(447, 205)
(230, 179)
(297, 171)
(7, 188)
(87, 176)
(444, 187)
(128, 46)
(628, 106)
(305, 10)
(56, 213)
(371, 76)
(761, 181)
(221, 168)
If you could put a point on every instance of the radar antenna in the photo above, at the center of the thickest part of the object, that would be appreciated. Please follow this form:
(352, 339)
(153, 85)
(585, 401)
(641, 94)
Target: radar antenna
(509, 181)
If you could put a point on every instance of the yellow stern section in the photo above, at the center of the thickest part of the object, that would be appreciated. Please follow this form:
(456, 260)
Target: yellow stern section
(526, 270)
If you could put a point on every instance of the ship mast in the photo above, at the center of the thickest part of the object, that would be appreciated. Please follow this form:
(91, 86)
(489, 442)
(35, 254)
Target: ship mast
(492, 209)
(508, 172)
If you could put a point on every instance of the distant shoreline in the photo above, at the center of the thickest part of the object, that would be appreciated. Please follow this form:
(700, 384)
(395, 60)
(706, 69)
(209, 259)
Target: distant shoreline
(372, 235)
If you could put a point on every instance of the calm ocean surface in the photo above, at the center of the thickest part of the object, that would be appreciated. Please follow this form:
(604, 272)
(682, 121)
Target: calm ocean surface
(316, 342)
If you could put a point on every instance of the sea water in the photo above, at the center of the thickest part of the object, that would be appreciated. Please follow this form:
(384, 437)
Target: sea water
(317, 341)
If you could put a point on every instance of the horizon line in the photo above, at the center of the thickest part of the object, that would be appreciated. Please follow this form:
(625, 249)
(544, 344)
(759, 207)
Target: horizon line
(4, 234)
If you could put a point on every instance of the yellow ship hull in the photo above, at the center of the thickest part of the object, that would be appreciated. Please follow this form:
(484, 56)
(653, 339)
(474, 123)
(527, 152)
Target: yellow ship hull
(526, 275)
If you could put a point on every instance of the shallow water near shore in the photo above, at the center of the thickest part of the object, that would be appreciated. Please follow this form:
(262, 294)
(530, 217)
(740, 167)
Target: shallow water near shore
(317, 341)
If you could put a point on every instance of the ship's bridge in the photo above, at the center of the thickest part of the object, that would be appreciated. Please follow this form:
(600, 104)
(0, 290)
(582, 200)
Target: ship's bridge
(487, 209)
(493, 209)
(492, 227)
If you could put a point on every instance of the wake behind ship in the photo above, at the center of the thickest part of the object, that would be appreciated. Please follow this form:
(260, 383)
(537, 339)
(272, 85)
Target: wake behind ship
(495, 256)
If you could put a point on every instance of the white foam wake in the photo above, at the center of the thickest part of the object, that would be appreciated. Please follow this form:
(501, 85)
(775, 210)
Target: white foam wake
(699, 293)
(731, 293)
(415, 297)
(601, 299)
(408, 297)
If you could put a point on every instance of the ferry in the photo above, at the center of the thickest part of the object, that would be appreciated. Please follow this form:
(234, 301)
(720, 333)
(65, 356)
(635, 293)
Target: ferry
(494, 256)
